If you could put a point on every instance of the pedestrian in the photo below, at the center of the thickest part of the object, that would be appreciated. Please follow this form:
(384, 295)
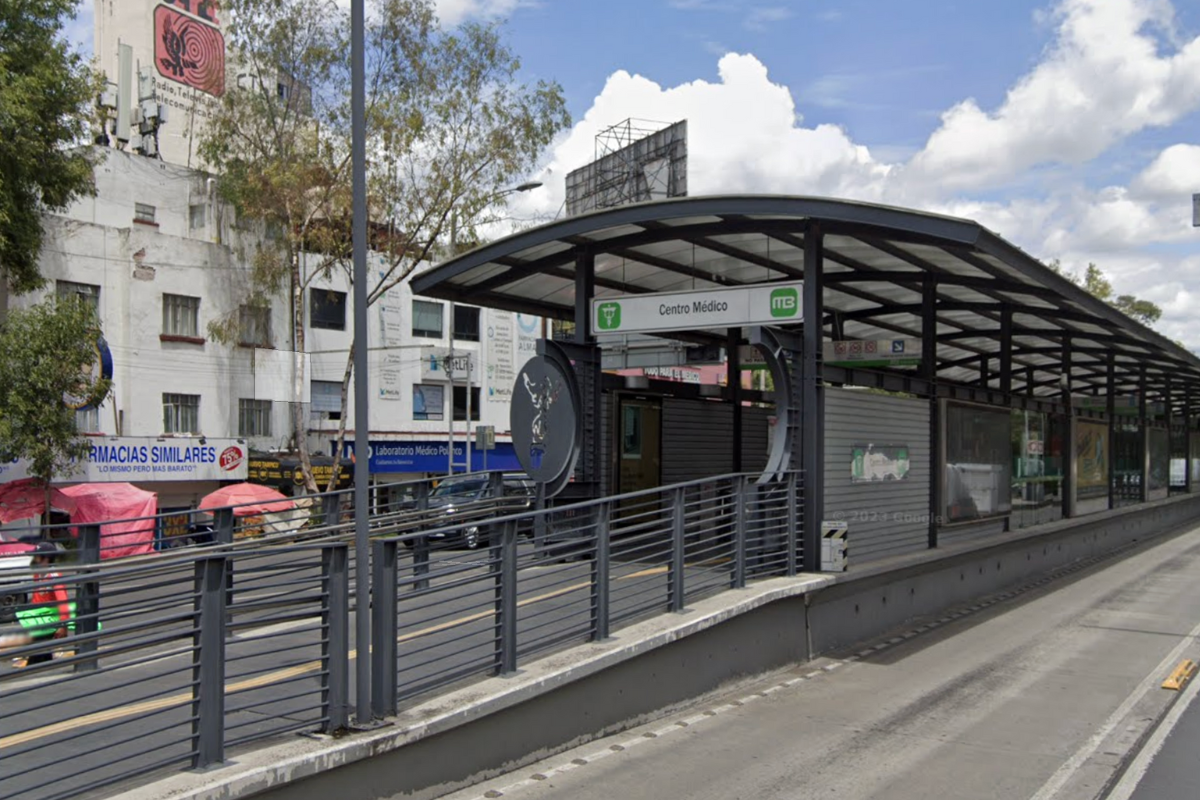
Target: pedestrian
(50, 612)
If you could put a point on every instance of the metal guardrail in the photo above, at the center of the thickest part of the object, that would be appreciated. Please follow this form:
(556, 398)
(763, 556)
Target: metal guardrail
(175, 660)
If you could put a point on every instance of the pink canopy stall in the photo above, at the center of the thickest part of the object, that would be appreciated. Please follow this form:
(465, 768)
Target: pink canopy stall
(90, 503)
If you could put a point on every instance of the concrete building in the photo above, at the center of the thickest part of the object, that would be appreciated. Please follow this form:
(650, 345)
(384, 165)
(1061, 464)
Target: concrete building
(163, 259)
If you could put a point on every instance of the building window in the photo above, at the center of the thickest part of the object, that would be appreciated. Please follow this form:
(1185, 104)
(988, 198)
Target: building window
(327, 309)
(466, 323)
(87, 420)
(197, 216)
(254, 325)
(90, 293)
(181, 413)
(460, 403)
(180, 316)
(427, 319)
(429, 401)
(325, 399)
(254, 417)
(143, 212)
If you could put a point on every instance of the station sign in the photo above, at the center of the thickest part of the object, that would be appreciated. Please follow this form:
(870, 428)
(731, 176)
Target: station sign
(764, 304)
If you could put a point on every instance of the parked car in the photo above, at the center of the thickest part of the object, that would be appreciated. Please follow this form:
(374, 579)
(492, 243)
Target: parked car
(465, 495)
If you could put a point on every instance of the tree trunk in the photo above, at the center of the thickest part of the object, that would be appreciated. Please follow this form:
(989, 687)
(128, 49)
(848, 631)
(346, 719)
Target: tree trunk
(341, 434)
(300, 419)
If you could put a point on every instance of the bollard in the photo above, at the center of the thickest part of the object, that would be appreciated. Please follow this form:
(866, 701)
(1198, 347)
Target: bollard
(675, 584)
(740, 490)
(504, 573)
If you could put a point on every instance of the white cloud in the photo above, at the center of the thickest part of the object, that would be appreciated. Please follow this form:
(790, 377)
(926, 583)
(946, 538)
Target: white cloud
(452, 12)
(1116, 67)
(1104, 79)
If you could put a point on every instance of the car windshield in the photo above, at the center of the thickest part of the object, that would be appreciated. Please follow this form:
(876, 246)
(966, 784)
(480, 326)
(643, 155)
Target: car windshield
(457, 488)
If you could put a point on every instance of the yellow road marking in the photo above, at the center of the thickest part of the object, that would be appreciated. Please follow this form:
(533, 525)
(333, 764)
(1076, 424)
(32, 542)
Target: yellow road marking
(266, 679)
(1180, 675)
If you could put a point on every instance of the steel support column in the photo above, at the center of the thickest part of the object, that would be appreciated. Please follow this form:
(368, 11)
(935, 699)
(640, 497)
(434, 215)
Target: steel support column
(1187, 444)
(1006, 335)
(733, 378)
(929, 372)
(812, 407)
(1068, 458)
(1145, 433)
(1111, 408)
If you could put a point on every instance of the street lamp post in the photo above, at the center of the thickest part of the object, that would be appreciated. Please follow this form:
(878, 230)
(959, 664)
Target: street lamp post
(524, 187)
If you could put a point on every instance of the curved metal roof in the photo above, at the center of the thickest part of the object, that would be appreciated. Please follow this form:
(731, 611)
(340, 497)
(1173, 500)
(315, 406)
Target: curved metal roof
(876, 259)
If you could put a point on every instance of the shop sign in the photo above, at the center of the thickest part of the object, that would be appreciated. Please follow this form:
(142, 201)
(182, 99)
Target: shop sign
(765, 304)
(431, 456)
(139, 459)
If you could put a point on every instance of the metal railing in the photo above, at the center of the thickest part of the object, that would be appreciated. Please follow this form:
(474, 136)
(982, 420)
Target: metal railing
(169, 662)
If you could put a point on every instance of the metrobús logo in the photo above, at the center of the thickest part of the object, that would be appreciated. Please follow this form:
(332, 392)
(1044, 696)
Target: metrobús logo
(610, 316)
(785, 302)
(232, 458)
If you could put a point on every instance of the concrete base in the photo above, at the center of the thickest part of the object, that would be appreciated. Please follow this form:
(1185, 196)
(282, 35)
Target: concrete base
(597, 689)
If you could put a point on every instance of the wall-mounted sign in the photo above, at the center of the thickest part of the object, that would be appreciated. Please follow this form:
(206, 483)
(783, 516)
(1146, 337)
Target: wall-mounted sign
(879, 462)
(874, 353)
(102, 370)
(438, 365)
(765, 304)
(190, 49)
(431, 456)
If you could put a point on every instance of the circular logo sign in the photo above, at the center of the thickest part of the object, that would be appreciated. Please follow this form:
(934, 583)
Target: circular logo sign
(101, 369)
(544, 420)
(232, 458)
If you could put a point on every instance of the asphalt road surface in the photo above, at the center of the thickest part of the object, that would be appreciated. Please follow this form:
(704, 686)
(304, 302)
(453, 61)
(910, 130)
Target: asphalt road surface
(1048, 692)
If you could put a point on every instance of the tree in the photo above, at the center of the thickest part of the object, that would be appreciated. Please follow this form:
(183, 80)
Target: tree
(1096, 283)
(49, 356)
(449, 126)
(44, 90)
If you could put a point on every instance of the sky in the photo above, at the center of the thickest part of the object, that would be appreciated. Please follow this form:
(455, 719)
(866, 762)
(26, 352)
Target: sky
(1069, 127)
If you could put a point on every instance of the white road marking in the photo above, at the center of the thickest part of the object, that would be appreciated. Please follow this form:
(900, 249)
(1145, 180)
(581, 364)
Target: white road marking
(1137, 768)
(1063, 774)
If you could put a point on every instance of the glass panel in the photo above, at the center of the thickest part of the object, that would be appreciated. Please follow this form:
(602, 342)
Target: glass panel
(1160, 463)
(1091, 465)
(427, 319)
(1130, 459)
(978, 463)
(1038, 456)
(327, 309)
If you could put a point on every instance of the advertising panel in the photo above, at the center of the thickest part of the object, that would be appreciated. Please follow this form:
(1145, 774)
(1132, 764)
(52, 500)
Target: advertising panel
(1091, 459)
(501, 357)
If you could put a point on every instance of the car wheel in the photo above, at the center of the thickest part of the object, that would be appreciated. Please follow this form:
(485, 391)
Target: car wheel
(8, 606)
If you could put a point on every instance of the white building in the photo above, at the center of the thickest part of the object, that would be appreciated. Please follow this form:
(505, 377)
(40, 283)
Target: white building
(163, 259)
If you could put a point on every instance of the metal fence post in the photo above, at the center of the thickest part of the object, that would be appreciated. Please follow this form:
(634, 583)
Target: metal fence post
(208, 663)
(331, 508)
(739, 533)
(87, 599)
(335, 624)
(505, 575)
(793, 530)
(675, 584)
(384, 624)
(223, 525)
(601, 568)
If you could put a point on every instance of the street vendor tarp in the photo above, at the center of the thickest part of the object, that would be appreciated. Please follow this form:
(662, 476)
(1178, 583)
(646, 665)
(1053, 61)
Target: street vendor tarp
(248, 499)
(21, 499)
(90, 503)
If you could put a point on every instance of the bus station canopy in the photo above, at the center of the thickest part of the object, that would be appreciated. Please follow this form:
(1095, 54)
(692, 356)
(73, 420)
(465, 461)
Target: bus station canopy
(876, 263)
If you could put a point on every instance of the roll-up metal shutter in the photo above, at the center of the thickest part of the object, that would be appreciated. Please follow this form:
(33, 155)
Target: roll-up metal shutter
(887, 516)
(697, 439)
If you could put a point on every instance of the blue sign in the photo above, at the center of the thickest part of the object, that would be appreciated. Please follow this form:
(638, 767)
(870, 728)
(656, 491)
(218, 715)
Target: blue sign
(432, 456)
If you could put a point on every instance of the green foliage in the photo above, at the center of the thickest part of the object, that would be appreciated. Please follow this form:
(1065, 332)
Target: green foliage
(49, 353)
(1096, 283)
(449, 129)
(44, 92)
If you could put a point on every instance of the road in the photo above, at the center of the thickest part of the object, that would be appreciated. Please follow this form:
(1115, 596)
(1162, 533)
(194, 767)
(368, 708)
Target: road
(1045, 693)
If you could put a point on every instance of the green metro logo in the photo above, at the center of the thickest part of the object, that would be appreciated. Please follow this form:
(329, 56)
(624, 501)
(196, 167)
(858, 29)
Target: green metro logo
(785, 303)
(609, 316)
